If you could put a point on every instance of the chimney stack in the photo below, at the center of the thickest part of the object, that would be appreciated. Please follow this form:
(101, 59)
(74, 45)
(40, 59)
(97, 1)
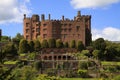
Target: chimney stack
(79, 14)
(63, 18)
(24, 16)
(42, 17)
(48, 16)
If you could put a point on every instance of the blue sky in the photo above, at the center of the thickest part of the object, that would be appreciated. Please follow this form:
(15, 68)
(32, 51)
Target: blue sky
(104, 23)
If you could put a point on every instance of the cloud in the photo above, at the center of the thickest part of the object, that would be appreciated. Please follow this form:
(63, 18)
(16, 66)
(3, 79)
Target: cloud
(108, 33)
(13, 10)
(78, 4)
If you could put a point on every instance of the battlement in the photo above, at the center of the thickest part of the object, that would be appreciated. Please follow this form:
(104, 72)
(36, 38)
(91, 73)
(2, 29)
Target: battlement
(35, 17)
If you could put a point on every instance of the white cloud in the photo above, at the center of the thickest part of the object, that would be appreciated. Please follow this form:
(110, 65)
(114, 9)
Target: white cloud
(13, 10)
(108, 33)
(78, 4)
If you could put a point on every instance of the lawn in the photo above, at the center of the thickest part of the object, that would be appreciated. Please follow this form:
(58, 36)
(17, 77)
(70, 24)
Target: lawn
(80, 79)
(10, 62)
(110, 63)
(22, 55)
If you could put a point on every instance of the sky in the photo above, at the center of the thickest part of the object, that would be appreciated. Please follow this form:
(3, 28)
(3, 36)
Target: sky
(105, 14)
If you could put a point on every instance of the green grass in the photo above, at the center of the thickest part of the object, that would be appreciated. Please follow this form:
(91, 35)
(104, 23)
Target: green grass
(10, 62)
(80, 79)
(22, 55)
(110, 63)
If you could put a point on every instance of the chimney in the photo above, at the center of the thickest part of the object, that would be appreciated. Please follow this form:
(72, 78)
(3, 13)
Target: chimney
(48, 16)
(24, 16)
(63, 18)
(79, 14)
(42, 17)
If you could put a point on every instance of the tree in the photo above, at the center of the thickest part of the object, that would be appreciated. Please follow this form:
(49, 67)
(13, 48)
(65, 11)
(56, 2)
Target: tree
(96, 53)
(110, 52)
(59, 43)
(31, 46)
(10, 49)
(44, 44)
(25, 73)
(73, 44)
(37, 45)
(5, 38)
(16, 40)
(99, 44)
(23, 46)
(66, 45)
(80, 46)
(52, 43)
(86, 53)
(38, 65)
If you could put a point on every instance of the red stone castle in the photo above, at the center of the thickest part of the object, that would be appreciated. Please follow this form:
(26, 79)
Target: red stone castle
(78, 29)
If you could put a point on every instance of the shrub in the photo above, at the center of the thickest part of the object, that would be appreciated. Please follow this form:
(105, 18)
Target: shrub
(82, 73)
(31, 46)
(59, 43)
(38, 65)
(66, 45)
(52, 43)
(80, 46)
(37, 45)
(73, 44)
(117, 77)
(23, 46)
(83, 65)
(44, 44)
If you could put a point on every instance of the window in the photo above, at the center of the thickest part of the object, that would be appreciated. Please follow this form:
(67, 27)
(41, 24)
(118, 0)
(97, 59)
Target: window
(64, 36)
(78, 35)
(34, 21)
(37, 35)
(27, 24)
(38, 30)
(65, 24)
(44, 25)
(44, 35)
(70, 25)
(27, 37)
(65, 30)
(69, 29)
(27, 30)
(37, 24)
(77, 28)
(44, 29)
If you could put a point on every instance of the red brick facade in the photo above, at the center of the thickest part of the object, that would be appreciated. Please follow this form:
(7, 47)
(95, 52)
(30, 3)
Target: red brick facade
(78, 29)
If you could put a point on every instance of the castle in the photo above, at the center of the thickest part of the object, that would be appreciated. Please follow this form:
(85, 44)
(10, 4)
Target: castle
(78, 29)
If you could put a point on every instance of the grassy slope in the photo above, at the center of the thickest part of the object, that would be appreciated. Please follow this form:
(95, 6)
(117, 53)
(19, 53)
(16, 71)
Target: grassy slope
(79, 79)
